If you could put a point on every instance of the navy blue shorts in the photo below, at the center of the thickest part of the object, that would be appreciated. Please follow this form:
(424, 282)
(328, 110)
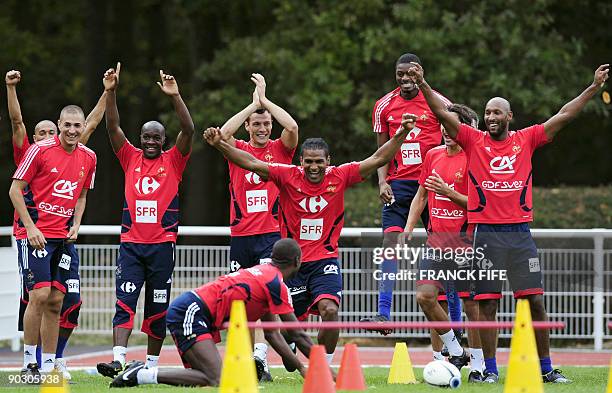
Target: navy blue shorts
(394, 216)
(315, 281)
(249, 251)
(57, 265)
(138, 264)
(433, 263)
(189, 321)
(508, 247)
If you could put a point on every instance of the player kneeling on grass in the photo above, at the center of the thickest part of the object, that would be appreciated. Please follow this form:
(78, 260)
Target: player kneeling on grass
(196, 317)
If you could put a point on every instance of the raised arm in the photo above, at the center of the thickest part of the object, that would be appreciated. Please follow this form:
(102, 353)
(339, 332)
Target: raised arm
(115, 133)
(573, 108)
(94, 118)
(438, 107)
(289, 136)
(385, 153)
(35, 236)
(235, 122)
(184, 139)
(239, 157)
(19, 131)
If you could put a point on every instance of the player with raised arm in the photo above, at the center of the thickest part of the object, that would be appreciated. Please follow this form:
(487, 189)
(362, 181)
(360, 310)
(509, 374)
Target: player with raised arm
(254, 203)
(149, 223)
(57, 172)
(500, 204)
(443, 190)
(398, 179)
(47, 129)
(312, 212)
(196, 318)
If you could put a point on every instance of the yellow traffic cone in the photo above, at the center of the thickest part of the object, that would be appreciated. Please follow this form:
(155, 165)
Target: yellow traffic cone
(238, 374)
(54, 383)
(524, 374)
(609, 389)
(401, 367)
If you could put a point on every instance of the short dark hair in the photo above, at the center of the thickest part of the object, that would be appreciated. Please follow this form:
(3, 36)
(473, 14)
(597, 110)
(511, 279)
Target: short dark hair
(314, 144)
(72, 110)
(259, 111)
(466, 114)
(285, 251)
(408, 58)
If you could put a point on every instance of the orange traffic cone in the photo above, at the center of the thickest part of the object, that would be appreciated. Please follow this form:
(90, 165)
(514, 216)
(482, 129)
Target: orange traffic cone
(350, 376)
(318, 377)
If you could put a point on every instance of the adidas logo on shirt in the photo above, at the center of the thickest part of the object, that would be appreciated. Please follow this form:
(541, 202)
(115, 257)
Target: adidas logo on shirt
(54, 170)
(390, 118)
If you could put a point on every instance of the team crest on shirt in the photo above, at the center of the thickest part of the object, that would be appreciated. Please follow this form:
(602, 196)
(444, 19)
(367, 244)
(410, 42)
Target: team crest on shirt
(269, 157)
(423, 117)
(161, 172)
(82, 172)
(516, 149)
(331, 188)
(459, 176)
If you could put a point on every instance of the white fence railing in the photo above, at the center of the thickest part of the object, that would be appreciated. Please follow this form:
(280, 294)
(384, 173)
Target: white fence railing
(577, 270)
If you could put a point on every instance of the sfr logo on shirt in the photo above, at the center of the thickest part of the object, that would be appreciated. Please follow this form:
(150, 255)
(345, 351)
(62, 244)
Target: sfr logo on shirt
(146, 212)
(311, 229)
(411, 153)
(159, 296)
(257, 201)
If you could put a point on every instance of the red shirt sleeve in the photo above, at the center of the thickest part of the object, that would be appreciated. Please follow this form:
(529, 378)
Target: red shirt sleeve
(285, 153)
(278, 173)
(91, 175)
(425, 169)
(19, 152)
(29, 165)
(240, 144)
(538, 136)
(379, 122)
(179, 161)
(125, 153)
(466, 136)
(350, 173)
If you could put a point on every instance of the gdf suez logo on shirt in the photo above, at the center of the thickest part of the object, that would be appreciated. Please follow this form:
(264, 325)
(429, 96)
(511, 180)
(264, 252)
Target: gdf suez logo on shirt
(502, 164)
(146, 185)
(313, 204)
(64, 189)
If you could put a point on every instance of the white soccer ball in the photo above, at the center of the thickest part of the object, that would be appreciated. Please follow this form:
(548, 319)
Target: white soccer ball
(443, 374)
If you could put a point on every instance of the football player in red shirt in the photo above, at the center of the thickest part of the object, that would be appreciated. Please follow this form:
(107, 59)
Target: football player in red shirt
(254, 203)
(443, 190)
(149, 221)
(57, 172)
(312, 212)
(196, 318)
(46, 129)
(499, 202)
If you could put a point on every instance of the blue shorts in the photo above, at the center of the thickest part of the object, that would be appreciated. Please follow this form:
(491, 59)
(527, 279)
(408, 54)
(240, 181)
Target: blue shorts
(394, 216)
(57, 266)
(189, 321)
(508, 247)
(249, 251)
(315, 281)
(433, 262)
(138, 264)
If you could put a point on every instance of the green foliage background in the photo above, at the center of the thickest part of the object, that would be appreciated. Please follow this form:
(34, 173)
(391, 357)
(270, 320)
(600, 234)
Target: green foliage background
(326, 62)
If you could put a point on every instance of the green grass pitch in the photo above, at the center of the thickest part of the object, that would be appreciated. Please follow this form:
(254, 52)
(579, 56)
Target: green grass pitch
(586, 380)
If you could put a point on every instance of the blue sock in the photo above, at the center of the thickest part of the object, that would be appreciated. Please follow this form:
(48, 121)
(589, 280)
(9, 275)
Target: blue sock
(454, 304)
(546, 365)
(385, 290)
(39, 354)
(491, 366)
(61, 345)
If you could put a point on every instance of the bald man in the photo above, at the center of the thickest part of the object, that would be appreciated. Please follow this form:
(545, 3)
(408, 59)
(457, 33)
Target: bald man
(500, 204)
(46, 129)
(149, 223)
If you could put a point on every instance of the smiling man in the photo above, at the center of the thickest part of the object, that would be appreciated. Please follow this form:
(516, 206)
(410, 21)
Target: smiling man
(312, 212)
(149, 222)
(500, 204)
(254, 203)
(58, 172)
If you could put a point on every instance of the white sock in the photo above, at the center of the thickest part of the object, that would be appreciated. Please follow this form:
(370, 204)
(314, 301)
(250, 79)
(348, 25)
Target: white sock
(119, 354)
(454, 348)
(437, 355)
(476, 359)
(48, 362)
(151, 361)
(147, 376)
(29, 354)
(329, 357)
(261, 351)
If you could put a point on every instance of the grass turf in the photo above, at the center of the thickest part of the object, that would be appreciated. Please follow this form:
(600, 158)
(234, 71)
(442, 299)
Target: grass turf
(586, 380)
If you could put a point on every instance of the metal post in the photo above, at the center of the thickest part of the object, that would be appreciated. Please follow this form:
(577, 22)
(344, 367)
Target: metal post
(598, 289)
